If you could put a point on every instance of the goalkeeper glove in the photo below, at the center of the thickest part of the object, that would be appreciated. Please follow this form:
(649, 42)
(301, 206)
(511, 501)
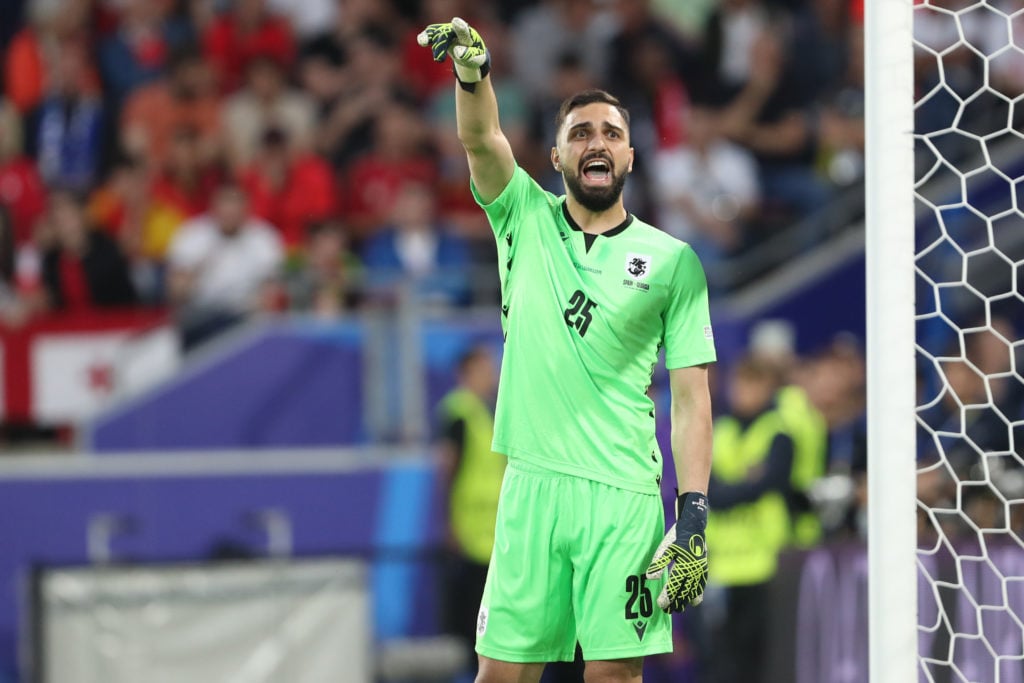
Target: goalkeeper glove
(470, 58)
(685, 549)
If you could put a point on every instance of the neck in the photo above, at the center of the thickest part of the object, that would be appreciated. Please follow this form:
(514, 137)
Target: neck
(595, 222)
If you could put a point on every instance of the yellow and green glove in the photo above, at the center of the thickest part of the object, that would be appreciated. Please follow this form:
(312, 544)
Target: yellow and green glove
(460, 41)
(685, 549)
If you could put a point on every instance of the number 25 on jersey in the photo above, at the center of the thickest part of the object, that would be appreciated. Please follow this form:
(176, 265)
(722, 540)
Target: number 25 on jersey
(578, 313)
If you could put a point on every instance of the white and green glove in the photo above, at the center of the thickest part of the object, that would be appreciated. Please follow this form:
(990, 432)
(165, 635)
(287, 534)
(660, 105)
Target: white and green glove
(459, 40)
(685, 549)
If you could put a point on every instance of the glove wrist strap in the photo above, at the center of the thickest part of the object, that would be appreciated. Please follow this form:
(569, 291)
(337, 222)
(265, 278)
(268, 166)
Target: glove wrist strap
(468, 76)
(692, 497)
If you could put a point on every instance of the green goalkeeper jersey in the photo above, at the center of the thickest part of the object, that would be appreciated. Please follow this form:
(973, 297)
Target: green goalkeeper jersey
(584, 317)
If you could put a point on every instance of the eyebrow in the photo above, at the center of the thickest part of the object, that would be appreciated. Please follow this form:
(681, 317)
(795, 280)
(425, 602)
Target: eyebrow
(588, 125)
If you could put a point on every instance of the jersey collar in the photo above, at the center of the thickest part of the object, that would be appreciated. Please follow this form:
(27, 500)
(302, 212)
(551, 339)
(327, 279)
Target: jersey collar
(612, 232)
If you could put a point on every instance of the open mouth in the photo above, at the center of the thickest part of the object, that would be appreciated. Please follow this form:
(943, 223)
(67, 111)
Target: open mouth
(597, 171)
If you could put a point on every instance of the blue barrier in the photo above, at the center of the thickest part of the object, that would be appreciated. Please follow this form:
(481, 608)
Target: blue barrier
(382, 508)
(287, 386)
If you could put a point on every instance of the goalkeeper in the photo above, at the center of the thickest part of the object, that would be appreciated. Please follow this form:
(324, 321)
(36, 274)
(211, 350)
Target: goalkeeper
(590, 294)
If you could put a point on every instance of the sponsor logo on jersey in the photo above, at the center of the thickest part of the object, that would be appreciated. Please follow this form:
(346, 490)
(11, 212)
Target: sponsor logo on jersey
(708, 333)
(638, 266)
(640, 627)
(641, 286)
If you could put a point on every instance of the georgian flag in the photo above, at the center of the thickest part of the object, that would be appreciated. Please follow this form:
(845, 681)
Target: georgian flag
(74, 376)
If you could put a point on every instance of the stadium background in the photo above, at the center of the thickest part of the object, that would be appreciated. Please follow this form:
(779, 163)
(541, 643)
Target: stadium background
(120, 119)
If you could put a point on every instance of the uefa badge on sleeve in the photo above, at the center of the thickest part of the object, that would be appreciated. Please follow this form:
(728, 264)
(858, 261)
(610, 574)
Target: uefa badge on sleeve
(481, 621)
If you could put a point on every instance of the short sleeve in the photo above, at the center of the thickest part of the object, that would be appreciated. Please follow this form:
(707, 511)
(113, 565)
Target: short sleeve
(688, 336)
(505, 209)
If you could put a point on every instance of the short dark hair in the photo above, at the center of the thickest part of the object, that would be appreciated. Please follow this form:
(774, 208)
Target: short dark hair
(470, 356)
(585, 97)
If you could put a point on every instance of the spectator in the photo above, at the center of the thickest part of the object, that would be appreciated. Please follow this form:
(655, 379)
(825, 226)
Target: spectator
(289, 188)
(355, 18)
(544, 34)
(67, 128)
(833, 382)
(772, 117)
(186, 98)
(13, 309)
(399, 154)
(83, 268)
(989, 349)
(322, 75)
(120, 208)
(841, 125)
(22, 192)
(266, 102)
(319, 281)
(964, 432)
(138, 51)
(246, 33)
(946, 42)
(838, 391)
(414, 247)
(707, 190)
(729, 37)
(223, 268)
(750, 484)
(363, 80)
(28, 62)
(637, 23)
(143, 209)
(1006, 69)
(183, 188)
(649, 64)
(471, 475)
(306, 17)
(819, 50)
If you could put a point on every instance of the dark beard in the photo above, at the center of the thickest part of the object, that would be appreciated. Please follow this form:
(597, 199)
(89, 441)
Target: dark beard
(595, 200)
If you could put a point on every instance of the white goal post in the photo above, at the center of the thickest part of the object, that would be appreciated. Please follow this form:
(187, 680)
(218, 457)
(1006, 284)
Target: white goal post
(892, 536)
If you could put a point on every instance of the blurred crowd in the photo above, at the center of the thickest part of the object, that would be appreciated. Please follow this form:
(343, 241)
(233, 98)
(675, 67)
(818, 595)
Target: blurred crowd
(223, 158)
(970, 451)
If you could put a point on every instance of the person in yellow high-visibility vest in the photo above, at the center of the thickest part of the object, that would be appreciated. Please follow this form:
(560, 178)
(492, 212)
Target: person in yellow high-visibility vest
(471, 474)
(751, 483)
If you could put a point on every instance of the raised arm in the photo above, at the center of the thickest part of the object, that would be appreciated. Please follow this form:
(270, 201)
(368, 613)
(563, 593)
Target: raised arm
(491, 163)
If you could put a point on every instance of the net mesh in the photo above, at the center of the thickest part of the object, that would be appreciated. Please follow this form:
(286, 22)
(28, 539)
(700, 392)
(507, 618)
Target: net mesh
(969, 191)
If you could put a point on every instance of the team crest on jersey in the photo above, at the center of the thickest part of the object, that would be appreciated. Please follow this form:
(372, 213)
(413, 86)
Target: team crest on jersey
(638, 266)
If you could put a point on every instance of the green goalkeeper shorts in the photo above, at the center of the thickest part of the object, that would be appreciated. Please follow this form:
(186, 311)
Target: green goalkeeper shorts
(568, 564)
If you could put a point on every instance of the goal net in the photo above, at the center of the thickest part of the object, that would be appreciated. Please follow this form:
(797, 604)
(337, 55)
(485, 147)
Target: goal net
(969, 76)
(967, 296)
